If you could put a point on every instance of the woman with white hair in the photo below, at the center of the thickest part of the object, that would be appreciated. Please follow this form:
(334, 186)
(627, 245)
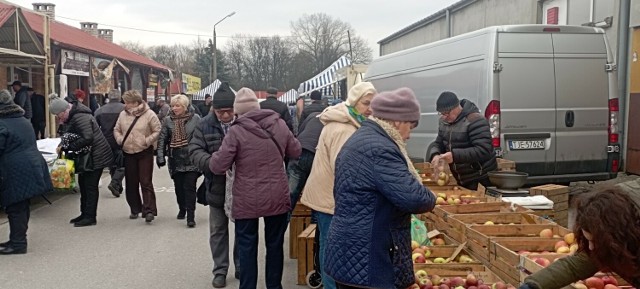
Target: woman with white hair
(173, 142)
(137, 131)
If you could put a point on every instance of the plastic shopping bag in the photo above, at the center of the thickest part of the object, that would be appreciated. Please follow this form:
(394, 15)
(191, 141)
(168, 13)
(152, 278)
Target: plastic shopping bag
(63, 174)
(228, 195)
(419, 231)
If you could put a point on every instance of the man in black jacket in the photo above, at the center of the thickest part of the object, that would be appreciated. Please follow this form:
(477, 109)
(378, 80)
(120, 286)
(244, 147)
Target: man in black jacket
(464, 141)
(106, 117)
(317, 105)
(280, 107)
(206, 106)
(38, 117)
(22, 98)
(207, 139)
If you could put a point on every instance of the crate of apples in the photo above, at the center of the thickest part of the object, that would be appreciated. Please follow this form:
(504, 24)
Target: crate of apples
(475, 280)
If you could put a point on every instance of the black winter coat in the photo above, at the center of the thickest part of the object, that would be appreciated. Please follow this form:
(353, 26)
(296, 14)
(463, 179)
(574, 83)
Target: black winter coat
(23, 171)
(82, 123)
(280, 107)
(315, 106)
(106, 117)
(179, 160)
(207, 139)
(469, 140)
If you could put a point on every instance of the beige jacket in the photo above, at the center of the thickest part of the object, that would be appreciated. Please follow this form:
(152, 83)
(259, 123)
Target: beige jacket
(143, 135)
(338, 127)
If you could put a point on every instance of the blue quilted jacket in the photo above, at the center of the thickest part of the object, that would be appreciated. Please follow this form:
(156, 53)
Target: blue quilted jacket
(369, 241)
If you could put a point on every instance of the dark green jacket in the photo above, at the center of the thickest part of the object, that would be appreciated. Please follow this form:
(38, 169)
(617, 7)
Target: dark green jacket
(573, 268)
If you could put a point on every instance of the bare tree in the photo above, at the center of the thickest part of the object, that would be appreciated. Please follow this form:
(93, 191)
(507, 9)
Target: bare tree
(136, 47)
(326, 39)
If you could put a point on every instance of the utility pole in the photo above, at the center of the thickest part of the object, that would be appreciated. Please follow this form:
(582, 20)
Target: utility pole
(214, 63)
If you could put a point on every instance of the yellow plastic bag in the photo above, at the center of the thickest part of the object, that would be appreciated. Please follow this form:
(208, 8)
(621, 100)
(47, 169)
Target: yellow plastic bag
(63, 174)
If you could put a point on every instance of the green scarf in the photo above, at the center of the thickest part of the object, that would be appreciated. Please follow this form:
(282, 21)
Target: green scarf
(355, 114)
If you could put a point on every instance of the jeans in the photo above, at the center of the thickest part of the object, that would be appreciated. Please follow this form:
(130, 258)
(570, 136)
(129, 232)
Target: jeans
(219, 242)
(89, 193)
(324, 221)
(18, 215)
(247, 236)
(298, 172)
(138, 170)
(185, 185)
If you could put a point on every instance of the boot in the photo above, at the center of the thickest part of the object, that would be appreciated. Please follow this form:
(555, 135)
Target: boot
(181, 214)
(85, 222)
(191, 216)
(76, 219)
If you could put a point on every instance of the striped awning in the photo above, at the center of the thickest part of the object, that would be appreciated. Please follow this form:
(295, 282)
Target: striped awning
(289, 97)
(210, 89)
(324, 79)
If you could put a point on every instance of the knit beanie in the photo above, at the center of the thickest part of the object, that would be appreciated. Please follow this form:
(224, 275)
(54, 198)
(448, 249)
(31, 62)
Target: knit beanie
(6, 97)
(398, 105)
(223, 97)
(358, 91)
(246, 101)
(447, 101)
(316, 95)
(114, 95)
(57, 104)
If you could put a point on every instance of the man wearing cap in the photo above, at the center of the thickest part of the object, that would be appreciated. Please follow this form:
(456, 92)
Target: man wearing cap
(280, 107)
(316, 106)
(205, 107)
(106, 117)
(22, 98)
(207, 139)
(464, 141)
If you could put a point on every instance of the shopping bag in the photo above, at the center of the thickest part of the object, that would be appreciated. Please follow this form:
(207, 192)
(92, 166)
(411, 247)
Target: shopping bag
(63, 174)
(418, 231)
(228, 194)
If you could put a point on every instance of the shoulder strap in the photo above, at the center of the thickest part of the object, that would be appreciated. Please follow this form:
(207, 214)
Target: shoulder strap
(275, 142)
(129, 131)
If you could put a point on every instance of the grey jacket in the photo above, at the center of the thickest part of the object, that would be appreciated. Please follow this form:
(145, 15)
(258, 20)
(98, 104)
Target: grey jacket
(179, 160)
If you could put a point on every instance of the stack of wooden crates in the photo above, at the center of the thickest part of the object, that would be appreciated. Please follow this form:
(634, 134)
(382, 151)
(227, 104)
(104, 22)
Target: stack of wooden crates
(559, 195)
(301, 234)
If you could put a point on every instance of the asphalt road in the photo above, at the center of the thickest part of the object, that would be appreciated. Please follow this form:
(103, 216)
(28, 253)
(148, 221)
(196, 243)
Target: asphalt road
(119, 252)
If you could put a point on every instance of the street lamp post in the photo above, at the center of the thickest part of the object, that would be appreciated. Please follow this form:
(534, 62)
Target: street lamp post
(214, 67)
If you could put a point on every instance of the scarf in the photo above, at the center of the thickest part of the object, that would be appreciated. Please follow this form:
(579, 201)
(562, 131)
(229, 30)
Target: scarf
(179, 134)
(139, 110)
(397, 138)
(10, 110)
(355, 114)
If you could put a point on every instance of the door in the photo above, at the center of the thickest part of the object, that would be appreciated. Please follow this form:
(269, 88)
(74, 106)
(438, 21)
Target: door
(582, 103)
(633, 143)
(527, 101)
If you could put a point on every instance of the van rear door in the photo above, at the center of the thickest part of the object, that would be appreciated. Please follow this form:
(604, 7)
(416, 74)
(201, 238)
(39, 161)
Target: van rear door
(582, 103)
(527, 101)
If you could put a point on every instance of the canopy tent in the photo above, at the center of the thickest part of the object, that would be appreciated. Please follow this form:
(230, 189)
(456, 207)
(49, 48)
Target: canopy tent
(210, 89)
(323, 80)
(289, 96)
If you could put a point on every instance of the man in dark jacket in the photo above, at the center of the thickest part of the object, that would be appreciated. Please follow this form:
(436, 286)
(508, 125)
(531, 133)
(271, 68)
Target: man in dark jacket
(22, 98)
(207, 139)
(38, 117)
(280, 107)
(464, 141)
(317, 105)
(299, 170)
(206, 106)
(106, 117)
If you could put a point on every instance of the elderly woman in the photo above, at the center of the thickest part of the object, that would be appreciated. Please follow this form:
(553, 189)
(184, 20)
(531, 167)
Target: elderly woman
(376, 191)
(23, 172)
(258, 138)
(607, 241)
(83, 142)
(176, 132)
(340, 122)
(137, 131)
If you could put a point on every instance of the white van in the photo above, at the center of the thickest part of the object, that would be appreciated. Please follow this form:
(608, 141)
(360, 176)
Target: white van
(549, 93)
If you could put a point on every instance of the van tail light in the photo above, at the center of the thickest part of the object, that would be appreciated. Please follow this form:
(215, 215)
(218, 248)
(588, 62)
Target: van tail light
(614, 109)
(492, 113)
(614, 165)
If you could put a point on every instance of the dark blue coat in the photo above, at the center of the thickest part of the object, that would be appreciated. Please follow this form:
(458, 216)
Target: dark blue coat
(369, 241)
(23, 171)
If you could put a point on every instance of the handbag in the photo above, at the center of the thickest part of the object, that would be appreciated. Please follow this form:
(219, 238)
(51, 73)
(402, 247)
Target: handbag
(118, 155)
(82, 162)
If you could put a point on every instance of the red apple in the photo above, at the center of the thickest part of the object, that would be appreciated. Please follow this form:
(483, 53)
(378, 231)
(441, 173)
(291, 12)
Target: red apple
(420, 259)
(544, 262)
(609, 280)
(611, 286)
(546, 233)
(472, 287)
(472, 280)
(499, 285)
(483, 286)
(457, 281)
(560, 244)
(414, 286)
(594, 282)
(444, 286)
(445, 281)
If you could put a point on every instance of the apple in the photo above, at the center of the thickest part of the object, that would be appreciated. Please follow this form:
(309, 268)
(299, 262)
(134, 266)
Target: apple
(441, 182)
(456, 201)
(544, 262)
(439, 260)
(442, 195)
(421, 274)
(425, 283)
(499, 285)
(444, 286)
(594, 282)
(482, 286)
(563, 250)
(457, 281)
(489, 223)
(573, 248)
(418, 250)
(610, 286)
(556, 236)
(427, 253)
(523, 253)
(451, 201)
(436, 280)
(414, 245)
(472, 287)
(415, 256)
(580, 286)
(414, 286)
(420, 259)
(471, 280)
(438, 242)
(560, 244)
(609, 280)
(570, 238)
(445, 281)
(460, 287)
(546, 233)
(440, 201)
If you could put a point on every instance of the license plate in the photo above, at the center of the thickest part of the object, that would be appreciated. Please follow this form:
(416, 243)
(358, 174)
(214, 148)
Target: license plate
(526, 144)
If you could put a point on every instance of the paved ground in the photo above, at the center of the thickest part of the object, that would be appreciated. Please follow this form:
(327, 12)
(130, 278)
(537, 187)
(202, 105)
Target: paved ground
(118, 252)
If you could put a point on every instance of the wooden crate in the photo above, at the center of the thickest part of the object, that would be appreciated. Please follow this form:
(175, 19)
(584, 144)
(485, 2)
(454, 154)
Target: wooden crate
(445, 212)
(301, 210)
(483, 272)
(559, 217)
(506, 165)
(305, 253)
(529, 266)
(296, 226)
(479, 237)
(446, 252)
(505, 260)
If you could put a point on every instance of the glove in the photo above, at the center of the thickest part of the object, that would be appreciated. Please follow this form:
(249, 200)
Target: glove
(161, 162)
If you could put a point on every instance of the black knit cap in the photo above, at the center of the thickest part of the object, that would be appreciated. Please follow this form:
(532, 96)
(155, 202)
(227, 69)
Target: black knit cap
(447, 101)
(316, 95)
(223, 97)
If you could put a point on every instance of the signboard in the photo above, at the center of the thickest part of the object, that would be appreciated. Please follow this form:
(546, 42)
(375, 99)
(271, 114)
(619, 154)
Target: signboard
(74, 63)
(153, 79)
(101, 75)
(190, 84)
(151, 93)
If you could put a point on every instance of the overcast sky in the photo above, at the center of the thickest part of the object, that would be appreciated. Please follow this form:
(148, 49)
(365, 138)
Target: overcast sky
(373, 20)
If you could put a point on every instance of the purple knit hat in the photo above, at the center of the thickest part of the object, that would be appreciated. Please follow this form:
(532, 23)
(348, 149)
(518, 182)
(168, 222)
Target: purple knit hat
(398, 105)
